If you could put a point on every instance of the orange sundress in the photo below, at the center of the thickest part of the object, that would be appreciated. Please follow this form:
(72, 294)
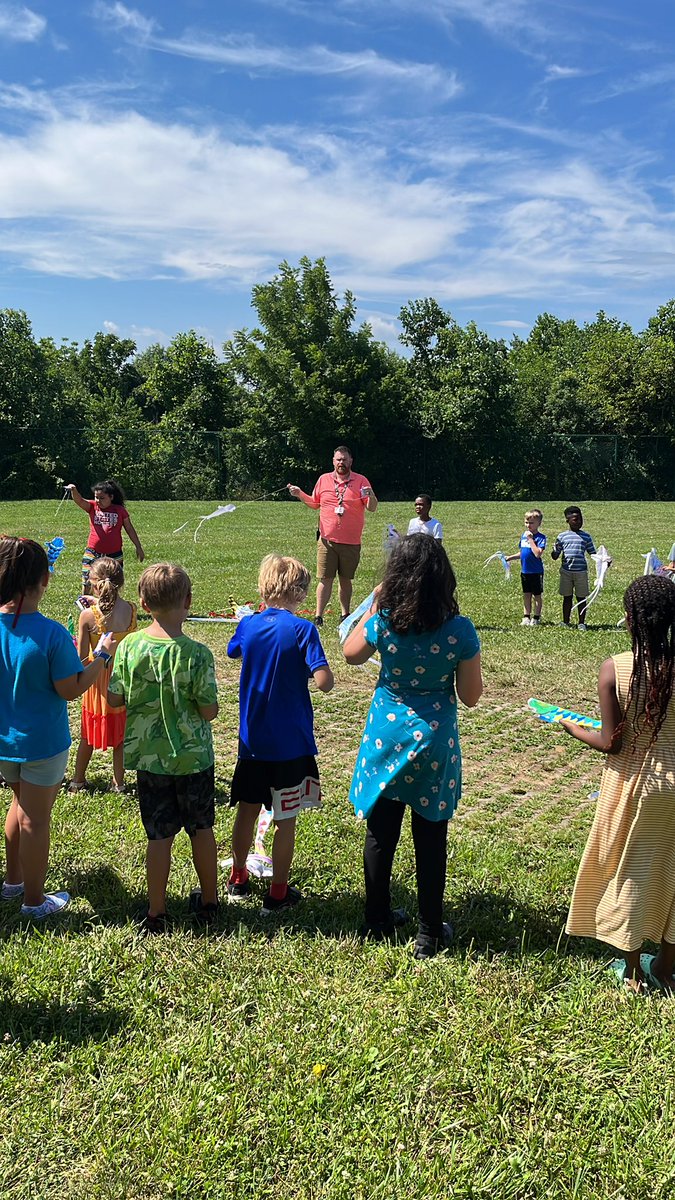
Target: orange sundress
(102, 726)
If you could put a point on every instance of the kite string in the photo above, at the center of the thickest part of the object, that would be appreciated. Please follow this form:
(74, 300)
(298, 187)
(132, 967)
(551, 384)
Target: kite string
(63, 499)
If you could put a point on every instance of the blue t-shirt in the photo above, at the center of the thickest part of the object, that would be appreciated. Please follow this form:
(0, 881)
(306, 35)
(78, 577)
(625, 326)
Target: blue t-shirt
(529, 563)
(574, 545)
(279, 652)
(33, 717)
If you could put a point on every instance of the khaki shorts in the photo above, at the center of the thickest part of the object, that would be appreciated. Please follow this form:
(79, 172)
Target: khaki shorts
(336, 558)
(573, 582)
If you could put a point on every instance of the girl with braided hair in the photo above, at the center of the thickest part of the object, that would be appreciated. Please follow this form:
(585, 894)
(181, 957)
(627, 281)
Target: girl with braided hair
(625, 887)
(102, 726)
(39, 672)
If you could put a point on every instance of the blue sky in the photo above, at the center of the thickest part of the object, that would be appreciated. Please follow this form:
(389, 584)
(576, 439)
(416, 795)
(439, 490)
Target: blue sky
(507, 157)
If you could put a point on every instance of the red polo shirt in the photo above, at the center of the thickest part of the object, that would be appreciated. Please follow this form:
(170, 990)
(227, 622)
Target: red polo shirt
(331, 492)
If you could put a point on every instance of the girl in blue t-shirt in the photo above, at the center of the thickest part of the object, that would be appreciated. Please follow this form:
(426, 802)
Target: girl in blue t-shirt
(409, 753)
(40, 670)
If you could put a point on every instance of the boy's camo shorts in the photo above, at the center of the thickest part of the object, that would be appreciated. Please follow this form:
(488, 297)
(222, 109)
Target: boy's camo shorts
(169, 803)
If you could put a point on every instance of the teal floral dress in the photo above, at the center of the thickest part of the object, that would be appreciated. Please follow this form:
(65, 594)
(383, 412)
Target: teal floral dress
(410, 746)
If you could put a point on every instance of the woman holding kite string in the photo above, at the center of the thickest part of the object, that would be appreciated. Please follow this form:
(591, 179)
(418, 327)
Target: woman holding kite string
(625, 887)
(107, 518)
(410, 753)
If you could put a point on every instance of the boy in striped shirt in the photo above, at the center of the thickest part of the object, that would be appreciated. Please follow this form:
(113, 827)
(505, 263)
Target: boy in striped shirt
(574, 544)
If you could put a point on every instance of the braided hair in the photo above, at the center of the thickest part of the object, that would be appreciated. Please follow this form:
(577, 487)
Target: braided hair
(108, 576)
(650, 613)
(418, 589)
(23, 564)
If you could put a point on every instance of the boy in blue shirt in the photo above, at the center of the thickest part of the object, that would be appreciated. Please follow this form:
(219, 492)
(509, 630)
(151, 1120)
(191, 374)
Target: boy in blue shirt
(574, 544)
(532, 546)
(276, 767)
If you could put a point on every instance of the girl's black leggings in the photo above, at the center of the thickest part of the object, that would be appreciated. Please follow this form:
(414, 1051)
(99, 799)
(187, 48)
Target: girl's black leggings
(429, 838)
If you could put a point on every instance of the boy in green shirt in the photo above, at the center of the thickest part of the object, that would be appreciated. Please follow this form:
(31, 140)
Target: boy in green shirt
(167, 682)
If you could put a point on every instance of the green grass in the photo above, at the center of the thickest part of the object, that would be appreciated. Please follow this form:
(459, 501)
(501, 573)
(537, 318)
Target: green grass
(183, 1068)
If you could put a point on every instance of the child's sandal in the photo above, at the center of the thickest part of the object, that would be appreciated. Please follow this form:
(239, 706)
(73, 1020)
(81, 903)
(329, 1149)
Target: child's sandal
(74, 787)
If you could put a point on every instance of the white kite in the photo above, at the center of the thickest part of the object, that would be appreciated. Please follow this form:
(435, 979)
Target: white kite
(603, 561)
(218, 512)
(500, 555)
(652, 562)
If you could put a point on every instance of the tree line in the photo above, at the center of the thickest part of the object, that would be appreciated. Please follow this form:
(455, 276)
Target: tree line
(587, 410)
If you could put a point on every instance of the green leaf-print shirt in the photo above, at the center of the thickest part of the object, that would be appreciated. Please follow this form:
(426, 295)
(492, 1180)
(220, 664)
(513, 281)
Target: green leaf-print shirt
(162, 681)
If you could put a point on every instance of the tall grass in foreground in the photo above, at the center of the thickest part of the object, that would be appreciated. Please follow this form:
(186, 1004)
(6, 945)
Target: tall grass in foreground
(286, 1059)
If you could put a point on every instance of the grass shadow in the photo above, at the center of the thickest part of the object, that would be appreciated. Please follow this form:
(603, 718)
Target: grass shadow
(28, 1021)
(492, 922)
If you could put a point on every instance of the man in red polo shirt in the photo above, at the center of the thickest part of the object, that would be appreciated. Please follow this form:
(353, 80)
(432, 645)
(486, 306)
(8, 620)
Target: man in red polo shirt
(342, 497)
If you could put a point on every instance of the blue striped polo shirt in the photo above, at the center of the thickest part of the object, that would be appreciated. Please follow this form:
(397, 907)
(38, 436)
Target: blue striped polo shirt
(574, 545)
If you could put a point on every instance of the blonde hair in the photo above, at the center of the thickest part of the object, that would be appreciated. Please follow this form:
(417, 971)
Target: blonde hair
(109, 579)
(282, 579)
(164, 586)
(534, 512)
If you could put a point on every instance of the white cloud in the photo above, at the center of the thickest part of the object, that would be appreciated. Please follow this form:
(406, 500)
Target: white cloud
(247, 53)
(89, 193)
(111, 327)
(554, 72)
(123, 18)
(20, 24)
(511, 324)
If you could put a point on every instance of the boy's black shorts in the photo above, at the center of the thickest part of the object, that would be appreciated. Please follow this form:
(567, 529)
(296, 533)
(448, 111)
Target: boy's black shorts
(169, 803)
(285, 787)
(532, 582)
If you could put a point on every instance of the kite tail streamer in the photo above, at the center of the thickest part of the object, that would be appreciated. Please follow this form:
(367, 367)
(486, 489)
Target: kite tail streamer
(501, 557)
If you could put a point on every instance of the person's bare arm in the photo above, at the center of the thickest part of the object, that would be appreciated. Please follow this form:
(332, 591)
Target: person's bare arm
(84, 631)
(79, 500)
(605, 740)
(208, 712)
(324, 679)
(298, 494)
(76, 685)
(356, 649)
(133, 536)
(469, 681)
(371, 503)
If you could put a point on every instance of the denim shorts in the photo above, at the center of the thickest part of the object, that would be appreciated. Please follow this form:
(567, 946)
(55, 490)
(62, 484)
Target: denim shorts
(45, 772)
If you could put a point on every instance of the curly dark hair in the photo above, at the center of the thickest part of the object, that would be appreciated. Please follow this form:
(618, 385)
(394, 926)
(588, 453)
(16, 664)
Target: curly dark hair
(112, 487)
(650, 613)
(23, 563)
(418, 589)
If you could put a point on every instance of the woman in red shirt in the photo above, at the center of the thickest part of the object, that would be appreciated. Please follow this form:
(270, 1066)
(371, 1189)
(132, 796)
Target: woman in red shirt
(107, 518)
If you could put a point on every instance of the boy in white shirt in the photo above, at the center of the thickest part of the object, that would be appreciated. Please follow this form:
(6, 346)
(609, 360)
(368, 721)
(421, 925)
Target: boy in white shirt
(424, 522)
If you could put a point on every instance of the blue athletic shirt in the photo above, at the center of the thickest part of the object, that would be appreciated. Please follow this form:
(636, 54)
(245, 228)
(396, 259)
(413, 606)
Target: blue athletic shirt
(574, 545)
(33, 717)
(529, 563)
(279, 653)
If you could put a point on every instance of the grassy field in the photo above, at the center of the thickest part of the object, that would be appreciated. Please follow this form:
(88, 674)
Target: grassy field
(292, 1061)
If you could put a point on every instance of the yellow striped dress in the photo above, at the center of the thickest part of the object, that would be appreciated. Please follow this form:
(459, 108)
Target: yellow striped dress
(624, 892)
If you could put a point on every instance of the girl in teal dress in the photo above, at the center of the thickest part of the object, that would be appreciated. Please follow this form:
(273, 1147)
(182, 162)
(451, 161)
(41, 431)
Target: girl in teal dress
(410, 752)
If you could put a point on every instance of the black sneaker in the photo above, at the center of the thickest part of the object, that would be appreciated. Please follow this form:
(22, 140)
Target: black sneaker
(428, 947)
(318, 621)
(344, 617)
(382, 930)
(205, 914)
(238, 891)
(292, 897)
(151, 926)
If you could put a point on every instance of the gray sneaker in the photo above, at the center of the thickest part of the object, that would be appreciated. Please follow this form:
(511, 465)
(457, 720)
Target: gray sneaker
(54, 902)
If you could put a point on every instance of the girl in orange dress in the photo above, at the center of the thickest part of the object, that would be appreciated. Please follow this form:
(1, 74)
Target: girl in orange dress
(102, 726)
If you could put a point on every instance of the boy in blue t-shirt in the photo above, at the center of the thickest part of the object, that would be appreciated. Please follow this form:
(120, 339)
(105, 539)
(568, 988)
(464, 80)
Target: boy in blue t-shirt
(532, 546)
(276, 767)
(574, 544)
